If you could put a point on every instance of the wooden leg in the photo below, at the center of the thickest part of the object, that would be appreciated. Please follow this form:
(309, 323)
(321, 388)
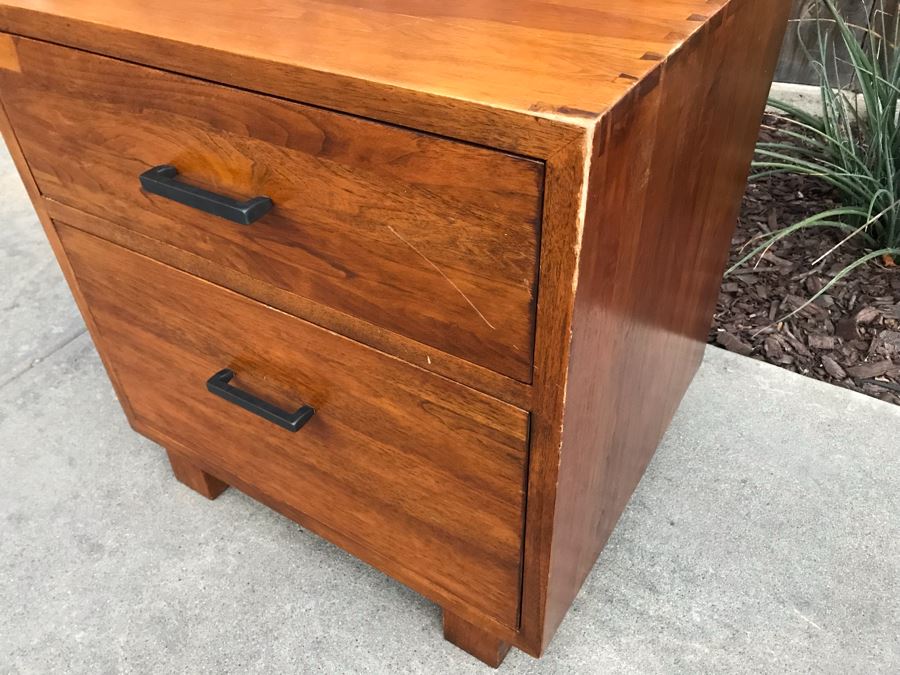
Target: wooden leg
(477, 642)
(196, 479)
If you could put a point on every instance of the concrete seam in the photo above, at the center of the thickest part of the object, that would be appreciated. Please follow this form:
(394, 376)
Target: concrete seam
(16, 373)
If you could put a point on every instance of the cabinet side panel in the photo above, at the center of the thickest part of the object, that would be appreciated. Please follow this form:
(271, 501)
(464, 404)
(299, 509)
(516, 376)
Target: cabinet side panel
(670, 165)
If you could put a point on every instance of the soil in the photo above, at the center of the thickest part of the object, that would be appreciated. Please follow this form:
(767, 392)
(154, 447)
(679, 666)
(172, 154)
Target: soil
(850, 336)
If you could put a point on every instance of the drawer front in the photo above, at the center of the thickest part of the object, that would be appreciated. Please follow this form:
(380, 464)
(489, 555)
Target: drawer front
(426, 237)
(417, 469)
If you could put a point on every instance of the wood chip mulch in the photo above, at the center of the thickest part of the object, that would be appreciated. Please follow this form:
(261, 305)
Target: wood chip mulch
(850, 336)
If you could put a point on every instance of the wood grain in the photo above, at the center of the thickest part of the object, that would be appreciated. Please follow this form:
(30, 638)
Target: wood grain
(557, 59)
(566, 178)
(479, 643)
(663, 209)
(430, 239)
(484, 380)
(195, 478)
(532, 134)
(623, 128)
(419, 582)
(407, 463)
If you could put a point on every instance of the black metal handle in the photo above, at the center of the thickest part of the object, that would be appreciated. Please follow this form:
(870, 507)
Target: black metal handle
(160, 180)
(218, 385)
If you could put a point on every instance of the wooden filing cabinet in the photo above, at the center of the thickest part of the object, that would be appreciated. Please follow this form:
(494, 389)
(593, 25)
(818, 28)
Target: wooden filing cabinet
(428, 278)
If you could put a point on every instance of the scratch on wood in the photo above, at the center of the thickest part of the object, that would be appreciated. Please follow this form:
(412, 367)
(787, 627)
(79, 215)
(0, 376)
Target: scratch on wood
(446, 278)
(567, 110)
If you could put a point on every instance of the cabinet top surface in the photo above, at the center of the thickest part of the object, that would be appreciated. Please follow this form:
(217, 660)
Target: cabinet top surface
(566, 59)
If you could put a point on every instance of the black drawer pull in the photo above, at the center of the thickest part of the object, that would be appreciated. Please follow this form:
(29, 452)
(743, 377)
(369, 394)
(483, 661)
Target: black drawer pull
(218, 385)
(161, 180)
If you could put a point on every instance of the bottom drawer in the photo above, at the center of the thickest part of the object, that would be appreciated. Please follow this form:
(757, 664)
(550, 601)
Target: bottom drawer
(421, 471)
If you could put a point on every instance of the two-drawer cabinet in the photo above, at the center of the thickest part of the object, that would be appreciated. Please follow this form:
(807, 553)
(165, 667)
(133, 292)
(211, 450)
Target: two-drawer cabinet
(428, 278)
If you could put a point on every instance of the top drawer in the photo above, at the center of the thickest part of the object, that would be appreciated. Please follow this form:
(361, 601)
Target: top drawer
(430, 238)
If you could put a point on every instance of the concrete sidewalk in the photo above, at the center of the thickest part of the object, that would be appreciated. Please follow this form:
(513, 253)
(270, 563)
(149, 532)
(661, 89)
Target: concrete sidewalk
(765, 536)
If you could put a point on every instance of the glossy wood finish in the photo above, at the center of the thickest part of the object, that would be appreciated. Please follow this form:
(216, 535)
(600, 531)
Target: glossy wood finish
(404, 462)
(656, 238)
(429, 358)
(415, 62)
(642, 174)
(431, 239)
(564, 197)
(478, 642)
(195, 478)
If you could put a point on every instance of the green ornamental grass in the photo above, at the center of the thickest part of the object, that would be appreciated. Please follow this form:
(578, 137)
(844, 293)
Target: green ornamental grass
(855, 149)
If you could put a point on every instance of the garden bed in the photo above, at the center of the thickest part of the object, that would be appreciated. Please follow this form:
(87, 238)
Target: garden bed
(850, 336)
